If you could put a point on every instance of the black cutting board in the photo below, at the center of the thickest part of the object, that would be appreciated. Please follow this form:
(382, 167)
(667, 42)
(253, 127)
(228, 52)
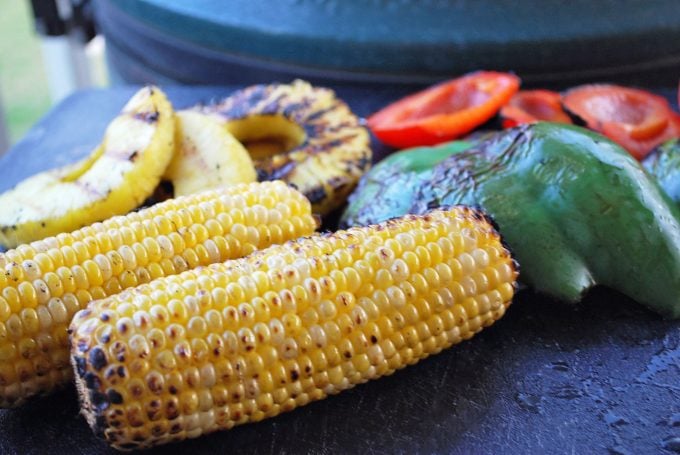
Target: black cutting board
(598, 377)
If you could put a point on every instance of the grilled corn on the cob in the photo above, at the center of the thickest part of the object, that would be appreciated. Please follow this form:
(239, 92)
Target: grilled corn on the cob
(43, 284)
(248, 339)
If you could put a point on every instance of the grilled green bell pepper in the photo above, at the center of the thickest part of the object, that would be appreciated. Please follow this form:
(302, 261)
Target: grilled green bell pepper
(664, 165)
(576, 209)
(389, 189)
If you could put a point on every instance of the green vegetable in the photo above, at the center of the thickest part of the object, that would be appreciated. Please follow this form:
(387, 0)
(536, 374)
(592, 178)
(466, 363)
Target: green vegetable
(576, 209)
(393, 183)
(664, 164)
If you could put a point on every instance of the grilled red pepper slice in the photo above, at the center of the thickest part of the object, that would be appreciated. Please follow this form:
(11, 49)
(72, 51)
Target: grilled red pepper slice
(636, 119)
(444, 111)
(530, 106)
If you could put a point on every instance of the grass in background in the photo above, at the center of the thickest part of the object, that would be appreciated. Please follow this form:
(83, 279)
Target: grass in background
(23, 82)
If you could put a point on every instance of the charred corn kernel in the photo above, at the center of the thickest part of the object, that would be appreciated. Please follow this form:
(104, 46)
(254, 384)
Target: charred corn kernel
(253, 337)
(43, 284)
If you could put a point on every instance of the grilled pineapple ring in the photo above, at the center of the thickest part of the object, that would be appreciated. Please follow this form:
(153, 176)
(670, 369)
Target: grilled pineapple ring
(206, 156)
(115, 179)
(301, 134)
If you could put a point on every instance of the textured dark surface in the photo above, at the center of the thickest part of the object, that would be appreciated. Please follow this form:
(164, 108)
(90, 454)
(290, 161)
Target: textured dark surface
(405, 41)
(599, 377)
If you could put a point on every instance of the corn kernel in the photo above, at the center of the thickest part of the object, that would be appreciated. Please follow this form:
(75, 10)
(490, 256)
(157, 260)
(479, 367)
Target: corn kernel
(27, 294)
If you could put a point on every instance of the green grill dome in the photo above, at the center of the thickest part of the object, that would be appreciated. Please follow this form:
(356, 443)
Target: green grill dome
(390, 41)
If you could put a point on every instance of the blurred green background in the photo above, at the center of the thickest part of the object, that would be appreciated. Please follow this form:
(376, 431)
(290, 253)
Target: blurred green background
(23, 83)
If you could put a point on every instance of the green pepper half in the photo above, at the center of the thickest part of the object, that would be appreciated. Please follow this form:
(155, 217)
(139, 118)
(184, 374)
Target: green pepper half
(390, 188)
(576, 209)
(664, 165)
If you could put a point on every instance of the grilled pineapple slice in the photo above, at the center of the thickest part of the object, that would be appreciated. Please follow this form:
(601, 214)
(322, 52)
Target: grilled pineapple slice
(301, 134)
(206, 156)
(115, 179)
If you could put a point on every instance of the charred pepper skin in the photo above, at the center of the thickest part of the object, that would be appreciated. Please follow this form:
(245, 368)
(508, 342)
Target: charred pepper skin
(388, 190)
(575, 208)
(664, 165)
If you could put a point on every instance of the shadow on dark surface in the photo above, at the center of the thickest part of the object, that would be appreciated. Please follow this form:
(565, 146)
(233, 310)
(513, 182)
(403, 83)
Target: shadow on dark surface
(548, 377)
(48, 425)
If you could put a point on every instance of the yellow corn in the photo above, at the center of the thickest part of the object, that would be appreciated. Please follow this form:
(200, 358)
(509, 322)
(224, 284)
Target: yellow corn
(248, 339)
(46, 282)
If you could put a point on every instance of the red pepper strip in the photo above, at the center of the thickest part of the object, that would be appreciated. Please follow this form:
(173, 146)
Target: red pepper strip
(445, 111)
(635, 119)
(530, 106)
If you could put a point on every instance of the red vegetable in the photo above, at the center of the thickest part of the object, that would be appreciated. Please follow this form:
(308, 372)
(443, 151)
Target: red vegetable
(445, 111)
(635, 119)
(530, 106)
